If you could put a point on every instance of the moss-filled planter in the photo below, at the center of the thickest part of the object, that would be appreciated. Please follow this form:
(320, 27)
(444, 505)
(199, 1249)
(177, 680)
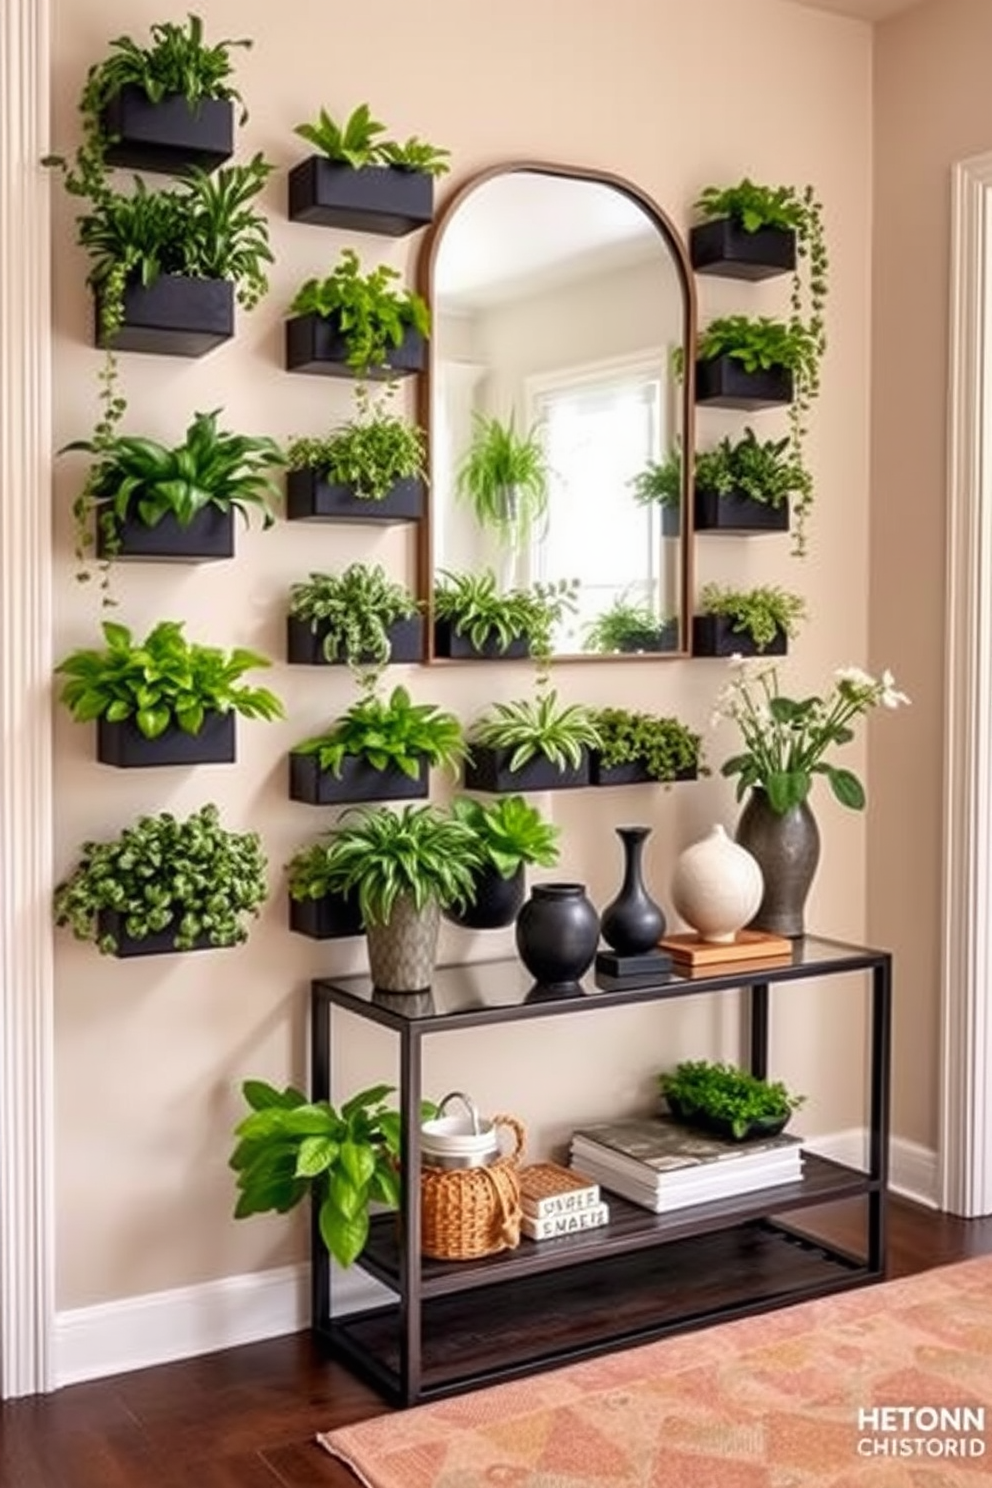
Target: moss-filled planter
(713, 635)
(454, 647)
(374, 198)
(169, 136)
(210, 536)
(310, 498)
(305, 646)
(124, 745)
(489, 770)
(314, 343)
(173, 316)
(633, 772)
(161, 943)
(723, 247)
(359, 781)
(334, 917)
(723, 382)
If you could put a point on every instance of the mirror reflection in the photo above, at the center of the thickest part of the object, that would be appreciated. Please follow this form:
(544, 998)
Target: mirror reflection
(557, 303)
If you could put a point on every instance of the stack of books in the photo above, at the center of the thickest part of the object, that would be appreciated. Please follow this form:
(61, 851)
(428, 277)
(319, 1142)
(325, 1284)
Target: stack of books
(661, 1164)
(558, 1201)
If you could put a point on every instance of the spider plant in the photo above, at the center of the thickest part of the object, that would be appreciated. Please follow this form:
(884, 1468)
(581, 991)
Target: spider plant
(505, 478)
(540, 727)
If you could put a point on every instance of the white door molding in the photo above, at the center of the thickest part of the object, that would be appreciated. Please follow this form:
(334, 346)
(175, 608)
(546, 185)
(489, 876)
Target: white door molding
(26, 1141)
(965, 1142)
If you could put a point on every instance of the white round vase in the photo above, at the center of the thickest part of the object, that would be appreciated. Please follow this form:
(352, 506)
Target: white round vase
(717, 887)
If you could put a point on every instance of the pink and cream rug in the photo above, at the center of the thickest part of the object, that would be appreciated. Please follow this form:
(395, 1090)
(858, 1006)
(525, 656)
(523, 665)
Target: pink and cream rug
(885, 1387)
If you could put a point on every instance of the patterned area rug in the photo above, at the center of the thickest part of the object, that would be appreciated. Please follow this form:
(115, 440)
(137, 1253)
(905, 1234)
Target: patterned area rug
(886, 1387)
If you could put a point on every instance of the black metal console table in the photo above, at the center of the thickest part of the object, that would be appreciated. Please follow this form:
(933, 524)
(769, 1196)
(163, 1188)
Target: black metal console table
(640, 1277)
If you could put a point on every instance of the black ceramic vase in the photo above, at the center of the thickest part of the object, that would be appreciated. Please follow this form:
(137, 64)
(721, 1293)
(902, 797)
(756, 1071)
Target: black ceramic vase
(786, 846)
(557, 934)
(633, 922)
(495, 901)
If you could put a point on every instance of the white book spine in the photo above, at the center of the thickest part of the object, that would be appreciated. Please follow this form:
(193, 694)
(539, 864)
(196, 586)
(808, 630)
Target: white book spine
(564, 1203)
(554, 1225)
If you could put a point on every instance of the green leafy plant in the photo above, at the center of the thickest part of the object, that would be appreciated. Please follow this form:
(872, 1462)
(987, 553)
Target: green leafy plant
(504, 477)
(660, 481)
(768, 471)
(288, 1148)
(356, 143)
(625, 626)
(728, 1095)
(355, 610)
(786, 739)
(475, 608)
(666, 747)
(191, 877)
(510, 832)
(370, 313)
(760, 343)
(161, 682)
(761, 613)
(539, 727)
(392, 733)
(369, 454)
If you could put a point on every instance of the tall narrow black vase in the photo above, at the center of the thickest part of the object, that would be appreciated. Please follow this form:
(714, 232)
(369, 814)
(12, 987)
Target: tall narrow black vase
(633, 922)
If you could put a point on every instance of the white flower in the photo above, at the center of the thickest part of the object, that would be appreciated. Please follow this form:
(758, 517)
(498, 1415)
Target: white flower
(856, 677)
(890, 697)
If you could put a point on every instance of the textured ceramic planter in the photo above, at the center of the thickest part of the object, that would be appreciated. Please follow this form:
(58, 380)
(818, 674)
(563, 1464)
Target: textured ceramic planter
(723, 382)
(714, 635)
(173, 316)
(359, 781)
(124, 745)
(402, 953)
(305, 646)
(723, 247)
(315, 344)
(786, 847)
(310, 498)
(373, 199)
(167, 137)
(209, 537)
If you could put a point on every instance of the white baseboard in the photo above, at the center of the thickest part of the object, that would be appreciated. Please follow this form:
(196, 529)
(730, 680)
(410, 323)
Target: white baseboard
(137, 1332)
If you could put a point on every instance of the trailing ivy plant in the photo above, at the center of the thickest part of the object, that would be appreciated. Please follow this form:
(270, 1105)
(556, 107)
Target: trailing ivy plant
(356, 143)
(391, 733)
(761, 613)
(767, 471)
(354, 611)
(625, 626)
(475, 608)
(191, 877)
(538, 728)
(369, 454)
(371, 315)
(162, 682)
(666, 747)
(731, 1096)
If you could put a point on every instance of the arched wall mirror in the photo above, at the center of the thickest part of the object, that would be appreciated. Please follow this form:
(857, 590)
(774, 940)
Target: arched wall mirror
(558, 298)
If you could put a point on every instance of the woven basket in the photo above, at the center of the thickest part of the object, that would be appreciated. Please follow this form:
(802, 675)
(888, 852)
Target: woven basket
(471, 1212)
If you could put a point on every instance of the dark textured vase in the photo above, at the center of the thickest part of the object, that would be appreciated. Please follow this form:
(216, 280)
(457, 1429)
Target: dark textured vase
(557, 934)
(633, 922)
(787, 849)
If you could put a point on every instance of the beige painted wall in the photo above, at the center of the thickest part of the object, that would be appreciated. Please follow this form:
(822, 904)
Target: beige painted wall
(930, 111)
(149, 1057)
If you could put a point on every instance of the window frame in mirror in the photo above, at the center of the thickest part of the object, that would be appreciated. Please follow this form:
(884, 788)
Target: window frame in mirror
(426, 276)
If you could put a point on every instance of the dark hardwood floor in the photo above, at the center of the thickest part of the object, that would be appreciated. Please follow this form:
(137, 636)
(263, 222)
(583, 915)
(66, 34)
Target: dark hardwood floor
(246, 1418)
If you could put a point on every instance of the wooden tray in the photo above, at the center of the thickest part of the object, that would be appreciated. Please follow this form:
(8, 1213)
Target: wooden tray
(749, 945)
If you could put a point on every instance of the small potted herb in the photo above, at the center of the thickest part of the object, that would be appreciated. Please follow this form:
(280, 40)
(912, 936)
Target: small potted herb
(504, 478)
(531, 744)
(360, 182)
(378, 750)
(746, 622)
(473, 621)
(372, 469)
(510, 834)
(351, 324)
(726, 1100)
(631, 629)
(163, 700)
(165, 885)
(359, 618)
(638, 748)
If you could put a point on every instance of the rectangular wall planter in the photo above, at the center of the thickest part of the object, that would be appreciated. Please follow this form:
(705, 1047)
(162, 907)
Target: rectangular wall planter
(174, 316)
(124, 745)
(373, 199)
(110, 922)
(170, 136)
(304, 647)
(724, 247)
(210, 536)
(736, 513)
(671, 521)
(310, 498)
(488, 770)
(454, 647)
(665, 638)
(631, 773)
(314, 344)
(358, 782)
(723, 383)
(332, 918)
(712, 636)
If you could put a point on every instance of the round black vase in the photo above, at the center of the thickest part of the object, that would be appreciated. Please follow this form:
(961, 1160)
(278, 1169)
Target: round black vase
(496, 901)
(787, 848)
(633, 922)
(557, 935)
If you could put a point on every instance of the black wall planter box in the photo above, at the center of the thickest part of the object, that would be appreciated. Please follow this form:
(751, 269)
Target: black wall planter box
(449, 644)
(631, 773)
(124, 745)
(161, 943)
(314, 344)
(671, 521)
(332, 918)
(169, 136)
(304, 647)
(665, 638)
(724, 247)
(358, 782)
(723, 383)
(309, 498)
(737, 513)
(374, 199)
(488, 770)
(209, 536)
(712, 636)
(174, 316)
